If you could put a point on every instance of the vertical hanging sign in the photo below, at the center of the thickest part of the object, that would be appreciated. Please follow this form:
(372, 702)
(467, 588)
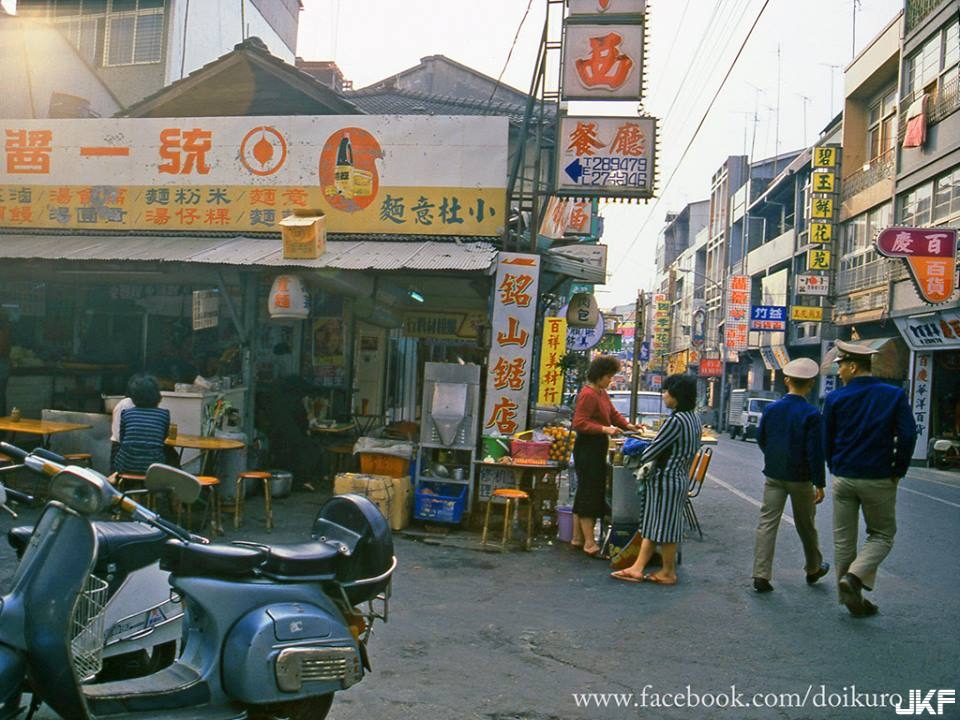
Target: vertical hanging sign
(552, 347)
(737, 321)
(922, 370)
(507, 395)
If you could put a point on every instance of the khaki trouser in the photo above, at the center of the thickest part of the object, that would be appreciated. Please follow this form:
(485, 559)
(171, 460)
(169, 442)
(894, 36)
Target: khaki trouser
(803, 503)
(877, 500)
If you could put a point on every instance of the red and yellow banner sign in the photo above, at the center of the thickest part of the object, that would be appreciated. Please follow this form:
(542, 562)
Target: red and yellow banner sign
(931, 255)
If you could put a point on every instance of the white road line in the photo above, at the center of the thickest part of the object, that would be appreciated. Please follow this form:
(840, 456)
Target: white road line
(932, 497)
(744, 496)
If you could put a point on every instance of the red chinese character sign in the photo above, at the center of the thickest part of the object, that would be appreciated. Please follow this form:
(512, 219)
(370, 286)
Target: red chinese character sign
(737, 323)
(931, 255)
(509, 369)
(606, 157)
(603, 61)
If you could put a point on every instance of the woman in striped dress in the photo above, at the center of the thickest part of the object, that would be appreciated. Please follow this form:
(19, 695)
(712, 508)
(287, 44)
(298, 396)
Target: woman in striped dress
(143, 428)
(673, 448)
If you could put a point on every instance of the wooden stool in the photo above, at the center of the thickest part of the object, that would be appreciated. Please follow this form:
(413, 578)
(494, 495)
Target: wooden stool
(267, 504)
(508, 495)
(210, 484)
(82, 459)
(125, 478)
(341, 459)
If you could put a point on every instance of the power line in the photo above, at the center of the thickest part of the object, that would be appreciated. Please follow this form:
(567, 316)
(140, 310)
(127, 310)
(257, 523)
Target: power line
(510, 53)
(699, 126)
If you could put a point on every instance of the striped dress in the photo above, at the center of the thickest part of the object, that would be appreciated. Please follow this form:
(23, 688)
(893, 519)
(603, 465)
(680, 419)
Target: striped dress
(674, 448)
(142, 432)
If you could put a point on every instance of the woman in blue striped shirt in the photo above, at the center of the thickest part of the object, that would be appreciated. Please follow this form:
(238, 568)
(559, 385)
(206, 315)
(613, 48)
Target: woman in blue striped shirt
(673, 448)
(143, 428)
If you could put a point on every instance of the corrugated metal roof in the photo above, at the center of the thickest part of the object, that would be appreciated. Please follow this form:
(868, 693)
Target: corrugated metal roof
(350, 253)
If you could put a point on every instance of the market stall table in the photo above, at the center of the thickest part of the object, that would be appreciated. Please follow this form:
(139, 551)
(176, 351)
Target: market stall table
(208, 446)
(540, 480)
(43, 428)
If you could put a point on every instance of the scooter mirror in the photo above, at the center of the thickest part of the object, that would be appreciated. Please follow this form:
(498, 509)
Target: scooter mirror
(184, 486)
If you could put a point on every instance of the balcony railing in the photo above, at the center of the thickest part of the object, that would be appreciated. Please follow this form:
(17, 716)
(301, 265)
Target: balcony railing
(944, 101)
(871, 274)
(917, 10)
(880, 168)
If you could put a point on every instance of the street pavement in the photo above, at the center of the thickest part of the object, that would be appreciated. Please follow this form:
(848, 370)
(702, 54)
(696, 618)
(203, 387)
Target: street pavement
(547, 635)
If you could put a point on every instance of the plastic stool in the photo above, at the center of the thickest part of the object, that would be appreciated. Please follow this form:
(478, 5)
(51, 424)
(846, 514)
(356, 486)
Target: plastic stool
(82, 459)
(508, 495)
(210, 484)
(267, 504)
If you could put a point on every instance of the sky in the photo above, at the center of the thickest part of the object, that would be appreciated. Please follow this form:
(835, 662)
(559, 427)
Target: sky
(785, 87)
(690, 46)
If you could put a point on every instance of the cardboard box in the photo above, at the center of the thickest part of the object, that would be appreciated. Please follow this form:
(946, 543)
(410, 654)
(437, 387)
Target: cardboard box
(392, 495)
(304, 234)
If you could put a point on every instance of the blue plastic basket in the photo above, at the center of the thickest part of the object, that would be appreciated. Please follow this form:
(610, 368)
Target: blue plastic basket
(445, 503)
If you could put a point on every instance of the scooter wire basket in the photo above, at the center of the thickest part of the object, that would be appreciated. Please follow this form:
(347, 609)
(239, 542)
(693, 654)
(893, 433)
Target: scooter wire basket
(87, 641)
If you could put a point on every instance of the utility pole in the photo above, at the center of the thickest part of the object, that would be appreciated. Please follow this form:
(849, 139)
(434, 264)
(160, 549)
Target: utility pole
(638, 315)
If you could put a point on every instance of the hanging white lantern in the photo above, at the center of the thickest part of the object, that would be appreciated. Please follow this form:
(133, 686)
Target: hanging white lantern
(582, 311)
(289, 299)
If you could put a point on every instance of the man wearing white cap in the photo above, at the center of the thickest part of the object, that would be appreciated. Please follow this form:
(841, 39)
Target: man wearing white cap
(868, 438)
(789, 435)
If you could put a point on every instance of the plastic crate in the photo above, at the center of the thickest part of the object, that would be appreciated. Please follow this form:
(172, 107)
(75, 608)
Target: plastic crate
(445, 503)
(381, 464)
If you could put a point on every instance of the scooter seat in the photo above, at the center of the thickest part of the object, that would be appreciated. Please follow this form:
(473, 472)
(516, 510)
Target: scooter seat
(122, 547)
(314, 560)
(198, 560)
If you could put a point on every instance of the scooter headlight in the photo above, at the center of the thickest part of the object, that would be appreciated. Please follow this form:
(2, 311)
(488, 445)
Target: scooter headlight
(79, 490)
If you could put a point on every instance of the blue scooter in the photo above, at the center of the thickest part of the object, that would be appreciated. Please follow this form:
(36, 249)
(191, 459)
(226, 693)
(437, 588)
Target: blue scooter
(269, 631)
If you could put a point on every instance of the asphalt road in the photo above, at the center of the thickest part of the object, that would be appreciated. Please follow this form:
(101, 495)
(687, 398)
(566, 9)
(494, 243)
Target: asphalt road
(529, 635)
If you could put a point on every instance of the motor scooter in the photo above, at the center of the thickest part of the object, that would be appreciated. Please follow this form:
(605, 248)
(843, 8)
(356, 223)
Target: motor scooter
(269, 631)
(141, 616)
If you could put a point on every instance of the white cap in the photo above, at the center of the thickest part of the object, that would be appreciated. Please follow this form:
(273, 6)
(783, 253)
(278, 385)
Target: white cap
(845, 348)
(801, 368)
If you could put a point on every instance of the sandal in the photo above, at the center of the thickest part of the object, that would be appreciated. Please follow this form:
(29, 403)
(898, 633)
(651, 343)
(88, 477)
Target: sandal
(622, 575)
(657, 580)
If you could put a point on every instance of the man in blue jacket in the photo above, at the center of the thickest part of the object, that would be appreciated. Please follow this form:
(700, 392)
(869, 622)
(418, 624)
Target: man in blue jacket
(789, 436)
(868, 438)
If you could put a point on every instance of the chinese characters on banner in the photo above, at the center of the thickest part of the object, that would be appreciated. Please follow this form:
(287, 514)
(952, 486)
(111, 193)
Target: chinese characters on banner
(566, 216)
(661, 331)
(552, 347)
(922, 371)
(813, 285)
(806, 313)
(768, 318)
(606, 157)
(821, 218)
(710, 367)
(603, 60)
(737, 321)
(511, 344)
(931, 255)
(245, 174)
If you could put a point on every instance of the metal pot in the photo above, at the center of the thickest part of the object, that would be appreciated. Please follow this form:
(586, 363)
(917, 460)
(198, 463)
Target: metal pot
(281, 483)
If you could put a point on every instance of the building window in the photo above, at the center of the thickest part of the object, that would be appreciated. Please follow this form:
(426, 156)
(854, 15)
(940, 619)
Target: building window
(111, 32)
(882, 124)
(934, 67)
(134, 32)
(856, 249)
(946, 197)
(915, 206)
(932, 203)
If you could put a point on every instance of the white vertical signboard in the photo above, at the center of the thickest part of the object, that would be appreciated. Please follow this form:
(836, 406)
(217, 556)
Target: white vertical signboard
(509, 369)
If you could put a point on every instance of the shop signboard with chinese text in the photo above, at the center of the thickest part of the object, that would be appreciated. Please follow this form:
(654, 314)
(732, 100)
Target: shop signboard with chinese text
(553, 345)
(768, 318)
(737, 320)
(443, 325)
(206, 309)
(937, 331)
(813, 285)
(922, 376)
(366, 174)
(931, 255)
(710, 367)
(606, 157)
(824, 200)
(566, 216)
(603, 60)
(607, 7)
(806, 313)
(507, 393)
(584, 338)
(661, 331)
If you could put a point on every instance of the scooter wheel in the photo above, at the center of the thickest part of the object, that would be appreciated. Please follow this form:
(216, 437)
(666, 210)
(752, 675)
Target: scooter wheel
(315, 708)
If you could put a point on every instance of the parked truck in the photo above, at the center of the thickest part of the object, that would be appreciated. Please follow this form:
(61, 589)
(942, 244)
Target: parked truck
(746, 407)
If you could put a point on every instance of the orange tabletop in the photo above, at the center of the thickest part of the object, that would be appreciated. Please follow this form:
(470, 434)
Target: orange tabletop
(198, 442)
(38, 427)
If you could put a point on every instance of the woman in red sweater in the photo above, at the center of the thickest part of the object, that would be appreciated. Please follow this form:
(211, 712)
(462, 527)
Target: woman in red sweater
(595, 420)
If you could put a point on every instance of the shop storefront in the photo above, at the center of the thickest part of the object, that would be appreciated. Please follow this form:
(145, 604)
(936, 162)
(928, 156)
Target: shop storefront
(934, 341)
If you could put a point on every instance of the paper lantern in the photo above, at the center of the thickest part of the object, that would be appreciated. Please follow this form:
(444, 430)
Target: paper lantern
(582, 312)
(289, 299)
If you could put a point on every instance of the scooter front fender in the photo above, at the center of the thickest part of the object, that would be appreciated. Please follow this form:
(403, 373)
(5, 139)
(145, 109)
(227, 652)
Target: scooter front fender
(13, 668)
